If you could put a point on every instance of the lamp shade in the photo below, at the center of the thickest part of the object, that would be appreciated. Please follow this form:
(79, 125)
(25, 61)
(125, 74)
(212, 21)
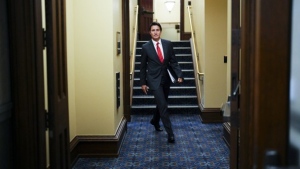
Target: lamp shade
(169, 5)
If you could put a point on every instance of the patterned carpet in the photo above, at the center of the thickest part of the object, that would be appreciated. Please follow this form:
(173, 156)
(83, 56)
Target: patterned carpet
(197, 146)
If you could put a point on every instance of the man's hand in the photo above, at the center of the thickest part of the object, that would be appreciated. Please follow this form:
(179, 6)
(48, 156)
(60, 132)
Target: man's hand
(145, 88)
(180, 80)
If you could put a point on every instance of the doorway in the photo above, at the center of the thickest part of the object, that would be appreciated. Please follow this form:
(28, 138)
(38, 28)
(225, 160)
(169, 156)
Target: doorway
(172, 20)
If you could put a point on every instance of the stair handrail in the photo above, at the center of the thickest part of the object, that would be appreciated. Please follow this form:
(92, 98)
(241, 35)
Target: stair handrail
(195, 56)
(133, 53)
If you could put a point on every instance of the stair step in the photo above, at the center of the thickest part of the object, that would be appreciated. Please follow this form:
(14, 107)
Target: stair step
(176, 55)
(172, 110)
(188, 78)
(170, 97)
(183, 65)
(179, 57)
(173, 99)
(177, 50)
(185, 73)
(174, 90)
(153, 106)
(182, 96)
(184, 43)
(186, 62)
(188, 81)
(172, 87)
(183, 70)
(140, 48)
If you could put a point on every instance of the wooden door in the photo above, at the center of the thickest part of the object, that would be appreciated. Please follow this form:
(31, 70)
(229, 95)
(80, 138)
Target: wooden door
(145, 18)
(57, 84)
(183, 34)
(27, 83)
(235, 85)
(126, 58)
(265, 76)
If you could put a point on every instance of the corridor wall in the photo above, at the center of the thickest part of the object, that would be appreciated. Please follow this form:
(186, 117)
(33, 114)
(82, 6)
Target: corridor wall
(92, 26)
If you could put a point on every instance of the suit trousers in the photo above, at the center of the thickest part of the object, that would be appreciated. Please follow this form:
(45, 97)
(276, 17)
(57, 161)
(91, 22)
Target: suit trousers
(161, 97)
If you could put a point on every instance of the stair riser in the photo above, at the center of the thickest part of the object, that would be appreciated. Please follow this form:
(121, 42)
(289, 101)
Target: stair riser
(185, 83)
(179, 101)
(170, 110)
(182, 66)
(176, 51)
(190, 92)
(175, 44)
(185, 74)
(185, 58)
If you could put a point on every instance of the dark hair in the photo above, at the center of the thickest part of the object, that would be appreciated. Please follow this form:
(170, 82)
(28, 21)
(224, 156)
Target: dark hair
(155, 23)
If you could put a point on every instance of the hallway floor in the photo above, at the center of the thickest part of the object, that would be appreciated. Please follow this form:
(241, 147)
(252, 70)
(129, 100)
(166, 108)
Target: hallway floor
(197, 146)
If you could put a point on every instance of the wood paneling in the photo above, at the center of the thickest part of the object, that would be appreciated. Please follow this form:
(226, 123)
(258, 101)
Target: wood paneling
(126, 59)
(57, 84)
(6, 104)
(145, 18)
(26, 62)
(247, 83)
(183, 35)
(235, 79)
(210, 115)
(265, 80)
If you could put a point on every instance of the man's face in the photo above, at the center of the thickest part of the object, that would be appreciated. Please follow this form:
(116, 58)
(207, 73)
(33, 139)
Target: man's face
(155, 32)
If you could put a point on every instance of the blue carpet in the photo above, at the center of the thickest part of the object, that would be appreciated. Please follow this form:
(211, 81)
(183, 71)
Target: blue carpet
(197, 146)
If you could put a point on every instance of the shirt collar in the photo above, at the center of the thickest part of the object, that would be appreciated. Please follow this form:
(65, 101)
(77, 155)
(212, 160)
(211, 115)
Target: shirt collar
(154, 42)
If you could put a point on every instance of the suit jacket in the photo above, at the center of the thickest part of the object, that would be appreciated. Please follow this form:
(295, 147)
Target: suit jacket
(152, 70)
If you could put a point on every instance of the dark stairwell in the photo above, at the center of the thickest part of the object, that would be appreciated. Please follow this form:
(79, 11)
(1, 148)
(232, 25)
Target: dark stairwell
(182, 98)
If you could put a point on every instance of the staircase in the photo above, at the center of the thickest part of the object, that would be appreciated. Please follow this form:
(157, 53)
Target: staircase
(182, 97)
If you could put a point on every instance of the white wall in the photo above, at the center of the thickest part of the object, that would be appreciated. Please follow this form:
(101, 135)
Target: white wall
(117, 63)
(216, 48)
(92, 64)
(198, 20)
(93, 39)
(167, 19)
(228, 90)
(210, 21)
(161, 13)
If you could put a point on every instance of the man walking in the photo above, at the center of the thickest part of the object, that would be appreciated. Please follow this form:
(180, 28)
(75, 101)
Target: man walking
(157, 59)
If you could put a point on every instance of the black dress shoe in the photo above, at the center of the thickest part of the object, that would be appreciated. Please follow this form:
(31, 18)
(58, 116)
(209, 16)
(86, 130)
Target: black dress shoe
(171, 139)
(157, 127)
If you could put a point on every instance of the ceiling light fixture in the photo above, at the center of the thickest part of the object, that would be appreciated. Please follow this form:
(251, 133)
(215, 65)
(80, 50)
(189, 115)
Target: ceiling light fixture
(169, 5)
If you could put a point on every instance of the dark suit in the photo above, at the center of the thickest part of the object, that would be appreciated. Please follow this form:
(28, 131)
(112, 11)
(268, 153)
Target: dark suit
(154, 74)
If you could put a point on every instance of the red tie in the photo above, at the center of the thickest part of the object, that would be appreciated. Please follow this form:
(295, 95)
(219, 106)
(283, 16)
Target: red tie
(160, 56)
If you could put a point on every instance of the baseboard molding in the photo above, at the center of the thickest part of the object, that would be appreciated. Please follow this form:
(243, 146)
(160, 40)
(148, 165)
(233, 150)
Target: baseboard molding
(98, 146)
(210, 115)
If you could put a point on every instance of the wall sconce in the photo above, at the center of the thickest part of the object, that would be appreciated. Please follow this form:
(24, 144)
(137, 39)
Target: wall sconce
(169, 5)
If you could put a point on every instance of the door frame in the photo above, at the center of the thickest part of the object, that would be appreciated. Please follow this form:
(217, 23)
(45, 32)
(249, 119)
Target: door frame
(57, 83)
(183, 35)
(27, 83)
(265, 76)
(126, 58)
(235, 80)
